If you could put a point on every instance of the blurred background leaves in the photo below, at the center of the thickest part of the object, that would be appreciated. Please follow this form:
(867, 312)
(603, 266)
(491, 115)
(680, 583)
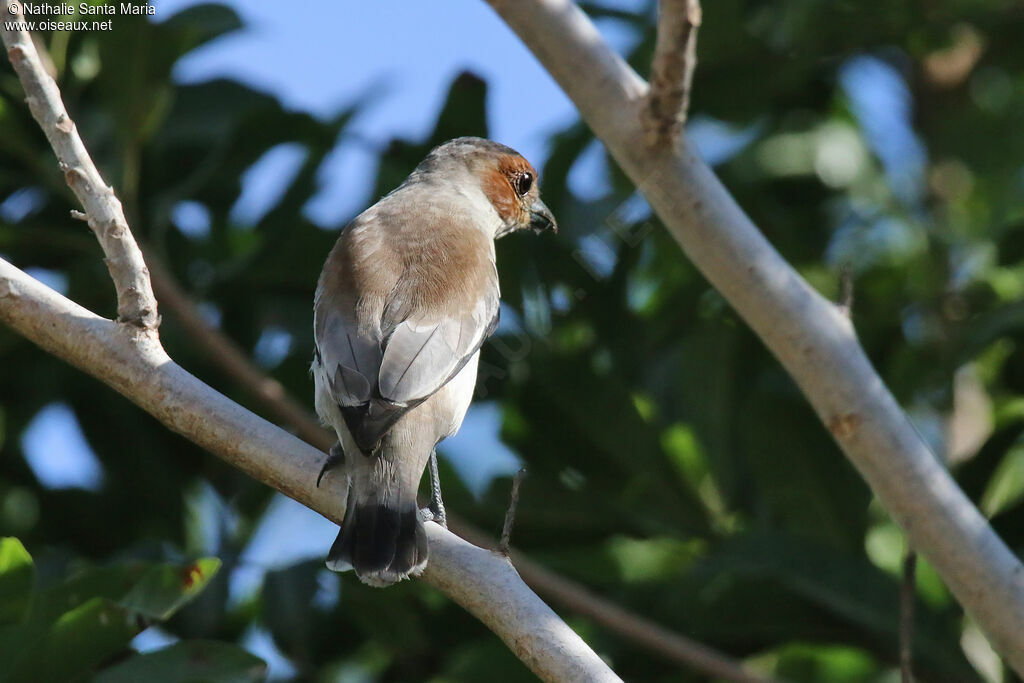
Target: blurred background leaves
(674, 467)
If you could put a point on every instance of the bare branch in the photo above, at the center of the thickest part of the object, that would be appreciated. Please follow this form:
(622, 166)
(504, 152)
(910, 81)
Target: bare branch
(136, 304)
(809, 336)
(510, 514)
(675, 58)
(138, 368)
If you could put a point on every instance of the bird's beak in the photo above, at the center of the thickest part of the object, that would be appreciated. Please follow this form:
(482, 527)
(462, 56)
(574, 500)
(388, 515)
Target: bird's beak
(541, 218)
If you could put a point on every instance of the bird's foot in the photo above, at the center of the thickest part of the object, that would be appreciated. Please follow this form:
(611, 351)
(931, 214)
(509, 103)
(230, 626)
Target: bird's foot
(335, 457)
(437, 513)
(428, 514)
(436, 508)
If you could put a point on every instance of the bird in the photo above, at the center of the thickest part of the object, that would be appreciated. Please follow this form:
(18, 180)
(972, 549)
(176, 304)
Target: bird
(407, 296)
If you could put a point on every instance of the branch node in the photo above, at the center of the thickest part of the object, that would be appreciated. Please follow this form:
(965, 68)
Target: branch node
(510, 514)
(675, 58)
(16, 54)
(116, 230)
(79, 215)
(73, 175)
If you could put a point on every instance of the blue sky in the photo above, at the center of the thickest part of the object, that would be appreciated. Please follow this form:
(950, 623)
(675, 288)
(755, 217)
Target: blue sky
(322, 56)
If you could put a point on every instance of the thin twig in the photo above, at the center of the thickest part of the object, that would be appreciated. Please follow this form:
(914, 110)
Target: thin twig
(908, 585)
(908, 594)
(845, 303)
(510, 514)
(136, 304)
(675, 58)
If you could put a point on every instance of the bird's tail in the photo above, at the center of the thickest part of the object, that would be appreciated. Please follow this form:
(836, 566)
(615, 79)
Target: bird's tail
(384, 542)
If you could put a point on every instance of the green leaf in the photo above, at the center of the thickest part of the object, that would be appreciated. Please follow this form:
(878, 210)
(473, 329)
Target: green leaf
(163, 589)
(197, 660)
(287, 596)
(80, 623)
(17, 577)
(78, 641)
(843, 585)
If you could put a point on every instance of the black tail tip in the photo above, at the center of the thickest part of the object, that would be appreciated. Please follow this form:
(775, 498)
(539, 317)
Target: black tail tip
(382, 544)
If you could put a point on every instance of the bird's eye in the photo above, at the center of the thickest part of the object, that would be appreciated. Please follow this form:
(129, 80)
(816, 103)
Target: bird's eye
(523, 182)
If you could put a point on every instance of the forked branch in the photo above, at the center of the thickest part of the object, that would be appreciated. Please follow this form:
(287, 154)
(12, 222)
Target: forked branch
(136, 304)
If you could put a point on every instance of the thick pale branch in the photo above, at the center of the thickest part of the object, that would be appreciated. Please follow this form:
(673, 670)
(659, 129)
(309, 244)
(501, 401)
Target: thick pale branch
(481, 581)
(675, 58)
(809, 335)
(136, 304)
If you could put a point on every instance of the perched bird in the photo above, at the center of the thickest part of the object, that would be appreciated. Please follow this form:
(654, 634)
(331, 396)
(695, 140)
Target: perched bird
(406, 298)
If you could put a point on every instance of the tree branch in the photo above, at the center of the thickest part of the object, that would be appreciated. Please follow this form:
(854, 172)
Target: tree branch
(137, 366)
(809, 336)
(136, 304)
(675, 58)
(510, 513)
(233, 362)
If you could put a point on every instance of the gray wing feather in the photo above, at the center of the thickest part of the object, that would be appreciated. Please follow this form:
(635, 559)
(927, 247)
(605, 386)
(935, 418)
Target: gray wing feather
(355, 359)
(420, 358)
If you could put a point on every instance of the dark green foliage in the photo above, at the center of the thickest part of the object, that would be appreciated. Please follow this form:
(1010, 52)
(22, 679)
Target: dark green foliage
(61, 632)
(674, 467)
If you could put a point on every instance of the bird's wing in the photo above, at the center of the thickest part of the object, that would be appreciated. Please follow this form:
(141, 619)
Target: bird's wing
(350, 359)
(424, 352)
(383, 359)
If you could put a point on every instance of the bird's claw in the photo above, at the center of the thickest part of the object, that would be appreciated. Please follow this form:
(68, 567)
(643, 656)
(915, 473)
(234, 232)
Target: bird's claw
(335, 457)
(437, 516)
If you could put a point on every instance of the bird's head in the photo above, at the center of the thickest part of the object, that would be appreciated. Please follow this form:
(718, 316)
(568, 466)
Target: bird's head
(504, 177)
